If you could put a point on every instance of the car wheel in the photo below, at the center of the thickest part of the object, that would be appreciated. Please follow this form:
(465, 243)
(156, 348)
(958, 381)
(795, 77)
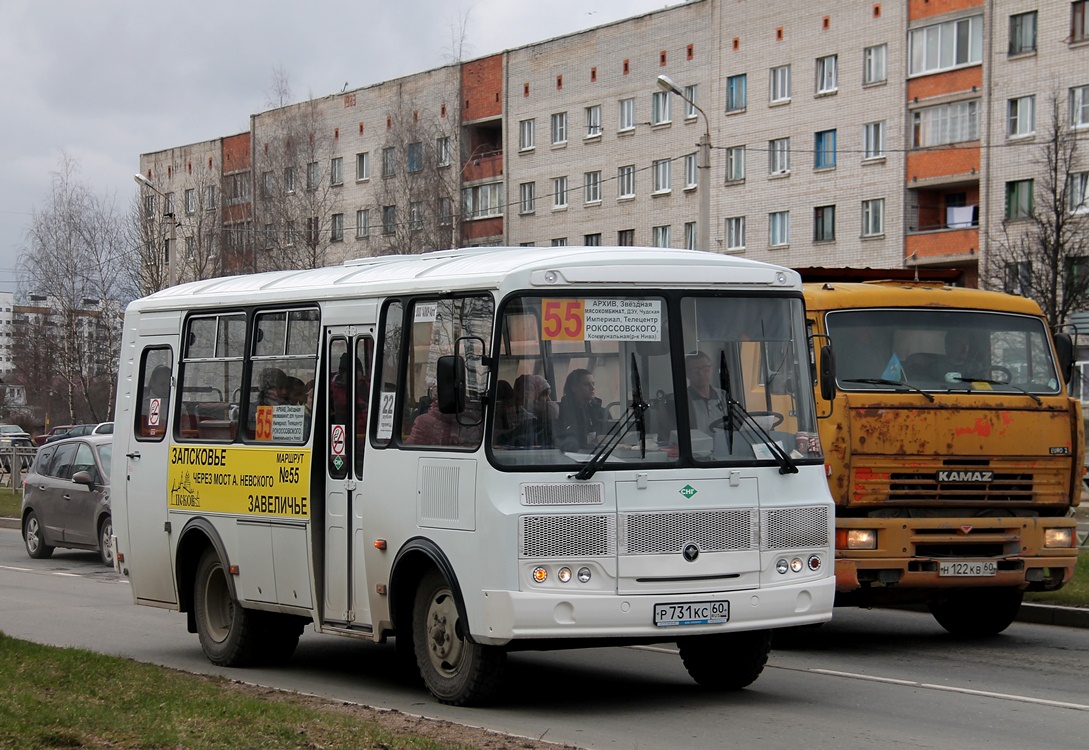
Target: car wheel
(228, 632)
(34, 538)
(105, 541)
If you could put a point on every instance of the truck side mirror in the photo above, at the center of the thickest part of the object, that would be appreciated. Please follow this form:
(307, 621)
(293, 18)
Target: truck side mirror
(1064, 347)
(827, 374)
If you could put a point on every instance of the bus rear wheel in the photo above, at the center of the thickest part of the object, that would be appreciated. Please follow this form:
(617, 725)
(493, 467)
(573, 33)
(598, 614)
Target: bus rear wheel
(977, 613)
(456, 670)
(730, 661)
(228, 632)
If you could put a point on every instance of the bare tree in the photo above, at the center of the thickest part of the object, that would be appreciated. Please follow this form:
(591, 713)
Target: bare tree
(1042, 251)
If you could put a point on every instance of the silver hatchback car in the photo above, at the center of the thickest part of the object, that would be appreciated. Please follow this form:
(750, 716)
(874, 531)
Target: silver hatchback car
(66, 498)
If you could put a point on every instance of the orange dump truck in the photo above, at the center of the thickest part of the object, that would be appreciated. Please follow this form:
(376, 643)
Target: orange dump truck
(953, 448)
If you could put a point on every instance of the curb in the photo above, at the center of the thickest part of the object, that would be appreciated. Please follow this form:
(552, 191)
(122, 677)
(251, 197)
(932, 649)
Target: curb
(1038, 614)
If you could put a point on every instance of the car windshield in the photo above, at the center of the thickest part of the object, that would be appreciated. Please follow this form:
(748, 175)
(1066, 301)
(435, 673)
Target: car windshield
(942, 350)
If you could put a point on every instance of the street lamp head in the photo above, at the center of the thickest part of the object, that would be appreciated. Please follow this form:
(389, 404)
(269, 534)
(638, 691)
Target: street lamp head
(665, 83)
(142, 181)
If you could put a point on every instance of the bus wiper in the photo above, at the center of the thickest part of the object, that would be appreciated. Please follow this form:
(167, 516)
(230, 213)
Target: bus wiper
(988, 381)
(786, 463)
(724, 384)
(894, 383)
(635, 414)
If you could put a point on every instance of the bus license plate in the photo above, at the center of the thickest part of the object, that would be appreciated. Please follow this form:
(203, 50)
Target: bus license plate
(691, 613)
(959, 569)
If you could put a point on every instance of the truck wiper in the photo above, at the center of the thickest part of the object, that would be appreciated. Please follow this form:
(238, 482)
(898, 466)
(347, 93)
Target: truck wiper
(988, 381)
(636, 412)
(893, 383)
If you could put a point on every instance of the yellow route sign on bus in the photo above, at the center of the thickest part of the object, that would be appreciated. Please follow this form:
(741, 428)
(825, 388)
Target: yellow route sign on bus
(266, 482)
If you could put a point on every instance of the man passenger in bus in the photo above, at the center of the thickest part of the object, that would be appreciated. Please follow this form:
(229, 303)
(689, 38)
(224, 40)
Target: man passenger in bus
(706, 403)
(582, 417)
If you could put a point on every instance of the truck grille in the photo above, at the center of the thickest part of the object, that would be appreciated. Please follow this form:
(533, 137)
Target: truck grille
(909, 486)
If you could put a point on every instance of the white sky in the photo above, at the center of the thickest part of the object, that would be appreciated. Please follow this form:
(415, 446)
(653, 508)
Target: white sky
(107, 80)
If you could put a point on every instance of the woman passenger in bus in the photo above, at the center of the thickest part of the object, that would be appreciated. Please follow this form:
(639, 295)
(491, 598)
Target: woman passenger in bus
(435, 428)
(534, 413)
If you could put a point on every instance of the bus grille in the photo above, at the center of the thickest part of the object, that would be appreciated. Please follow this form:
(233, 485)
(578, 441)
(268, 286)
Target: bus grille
(582, 535)
(563, 494)
(712, 531)
(789, 528)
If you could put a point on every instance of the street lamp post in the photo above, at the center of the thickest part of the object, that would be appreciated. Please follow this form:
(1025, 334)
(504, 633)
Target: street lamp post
(703, 167)
(172, 246)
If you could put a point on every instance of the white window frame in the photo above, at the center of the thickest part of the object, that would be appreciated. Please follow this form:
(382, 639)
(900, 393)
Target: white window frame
(691, 171)
(1021, 117)
(626, 111)
(875, 64)
(873, 217)
(691, 234)
(336, 228)
(527, 197)
(779, 84)
(1079, 107)
(415, 215)
(873, 140)
(1023, 33)
(779, 228)
(526, 132)
(662, 236)
(312, 175)
(336, 171)
(362, 223)
(559, 242)
(559, 129)
(691, 99)
(362, 166)
(559, 193)
(593, 121)
(937, 47)
(625, 181)
(779, 156)
(735, 164)
(1078, 191)
(661, 112)
(591, 184)
(482, 201)
(191, 200)
(944, 124)
(828, 74)
(735, 233)
(662, 171)
(442, 151)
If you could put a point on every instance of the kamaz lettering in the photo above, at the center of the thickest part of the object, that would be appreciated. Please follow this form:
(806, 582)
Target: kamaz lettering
(965, 476)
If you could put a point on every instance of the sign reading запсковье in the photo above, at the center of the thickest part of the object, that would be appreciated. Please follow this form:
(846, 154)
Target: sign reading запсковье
(240, 480)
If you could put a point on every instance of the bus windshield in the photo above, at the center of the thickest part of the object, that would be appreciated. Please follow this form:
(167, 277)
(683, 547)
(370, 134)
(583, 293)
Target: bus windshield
(616, 380)
(942, 350)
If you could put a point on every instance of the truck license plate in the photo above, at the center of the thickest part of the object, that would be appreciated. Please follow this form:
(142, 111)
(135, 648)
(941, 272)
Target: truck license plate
(691, 613)
(964, 568)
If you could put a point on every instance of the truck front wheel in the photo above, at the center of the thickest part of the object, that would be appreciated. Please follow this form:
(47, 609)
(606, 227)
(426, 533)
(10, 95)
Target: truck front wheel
(976, 613)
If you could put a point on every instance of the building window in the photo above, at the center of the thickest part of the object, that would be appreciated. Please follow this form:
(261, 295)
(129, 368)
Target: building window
(415, 156)
(526, 196)
(336, 171)
(1022, 33)
(1079, 21)
(442, 151)
(875, 64)
(736, 97)
(735, 164)
(779, 228)
(526, 134)
(779, 156)
(268, 184)
(559, 128)
(1079, 107)
(691, 171)
(593, 121)
(662, 236)
(627, 115)
(942, 46)
(362, 223)
(660, 107)
(661, 170)
(482, 201)
(1021, 117)
(289, 233)
(592, 240)
(591, 183)
(210, 194)
(389, 219)
(827, 75)
(690, 235)
(873, 217)
(1018, 277)
(735, 233)
(313, 232)
(780, 84)
(415, 215)
(625, 181)
(691, 99)
(1018, 200)
(363, 166)
(873, 140)
(559, 242)
(446, 212)
(191, 199)
(824, 223)
(559, 192)
(945, 123)
(824, 149)
(1079, 193)
(336, 233)
(312, 172)
(625, 238)
(389, 162)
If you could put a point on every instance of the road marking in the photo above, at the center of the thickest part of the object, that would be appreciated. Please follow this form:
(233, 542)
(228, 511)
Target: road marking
(12, 567)
(954, 689)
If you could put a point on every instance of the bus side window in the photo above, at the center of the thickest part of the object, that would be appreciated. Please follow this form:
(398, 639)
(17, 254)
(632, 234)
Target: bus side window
(155, 387)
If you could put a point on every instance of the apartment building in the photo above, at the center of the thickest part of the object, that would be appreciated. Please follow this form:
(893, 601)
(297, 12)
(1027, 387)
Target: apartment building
(843, 133)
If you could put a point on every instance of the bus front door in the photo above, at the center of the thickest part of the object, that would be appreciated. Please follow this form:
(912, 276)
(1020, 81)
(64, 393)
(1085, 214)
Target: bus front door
(349, 360)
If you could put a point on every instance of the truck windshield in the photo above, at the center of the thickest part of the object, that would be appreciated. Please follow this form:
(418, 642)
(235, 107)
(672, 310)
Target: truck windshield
(942, 350)
(611, 381)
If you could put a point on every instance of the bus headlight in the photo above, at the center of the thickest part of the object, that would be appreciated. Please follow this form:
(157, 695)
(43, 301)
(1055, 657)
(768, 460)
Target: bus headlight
(584, 575)
(856, 539)
(1058, 537)
(564, 575)
(781, 566)
(796, 565)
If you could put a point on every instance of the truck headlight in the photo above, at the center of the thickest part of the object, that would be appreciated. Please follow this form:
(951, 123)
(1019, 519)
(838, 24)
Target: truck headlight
(1058, 537)
(856, 539)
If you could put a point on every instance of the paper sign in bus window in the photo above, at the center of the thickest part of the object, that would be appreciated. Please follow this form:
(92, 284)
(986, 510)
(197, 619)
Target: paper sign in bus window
(601, 320)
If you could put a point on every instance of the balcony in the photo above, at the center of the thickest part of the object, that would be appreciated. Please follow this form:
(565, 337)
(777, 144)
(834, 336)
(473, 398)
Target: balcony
(487, 165)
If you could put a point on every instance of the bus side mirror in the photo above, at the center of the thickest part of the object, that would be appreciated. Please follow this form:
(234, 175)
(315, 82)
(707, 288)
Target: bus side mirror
(828, 374)
(1064, 347)
(450, 376)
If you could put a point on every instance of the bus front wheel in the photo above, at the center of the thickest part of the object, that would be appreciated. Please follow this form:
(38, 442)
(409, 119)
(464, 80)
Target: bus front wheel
(456, 670)
(730, 661)
(227, 631)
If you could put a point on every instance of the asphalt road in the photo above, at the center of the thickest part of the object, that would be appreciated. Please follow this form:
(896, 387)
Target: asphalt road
(869, 679)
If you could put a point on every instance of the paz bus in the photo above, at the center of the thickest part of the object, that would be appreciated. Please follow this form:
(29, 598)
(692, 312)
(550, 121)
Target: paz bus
(954, 448)
(377, 449)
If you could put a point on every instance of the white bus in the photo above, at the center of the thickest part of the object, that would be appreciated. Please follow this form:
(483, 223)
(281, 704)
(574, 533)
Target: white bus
(404, 446)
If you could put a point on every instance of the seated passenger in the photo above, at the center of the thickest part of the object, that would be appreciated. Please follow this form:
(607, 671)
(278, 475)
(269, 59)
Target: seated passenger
(582, 417)
(533, 414)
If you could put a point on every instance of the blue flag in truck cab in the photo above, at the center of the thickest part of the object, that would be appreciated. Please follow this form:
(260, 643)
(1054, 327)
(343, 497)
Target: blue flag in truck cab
(893, 370)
